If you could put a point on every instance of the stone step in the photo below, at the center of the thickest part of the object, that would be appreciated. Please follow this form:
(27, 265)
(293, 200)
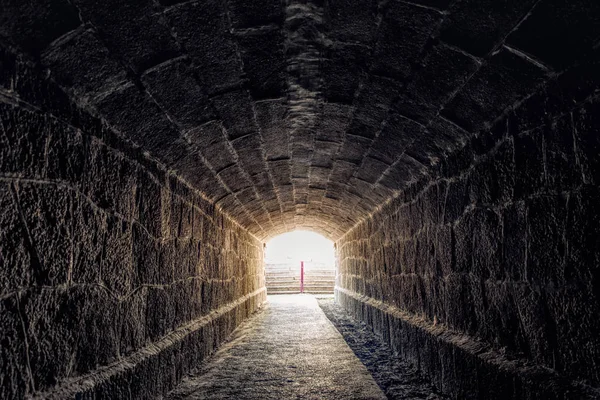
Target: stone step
(319, 291)
(270, 292)
(281, 278)
(297, 281)
(295, 287)
(313, 287)
(290, 273)
(315, 271)
(311, 277)
(319, 278)
(319, 273)
(297, 273)
(298, 269)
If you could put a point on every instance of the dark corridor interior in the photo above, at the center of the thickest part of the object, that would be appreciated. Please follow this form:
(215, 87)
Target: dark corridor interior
(449, 148)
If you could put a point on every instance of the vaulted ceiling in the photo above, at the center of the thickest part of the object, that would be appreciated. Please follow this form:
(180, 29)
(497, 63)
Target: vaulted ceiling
(300, 113)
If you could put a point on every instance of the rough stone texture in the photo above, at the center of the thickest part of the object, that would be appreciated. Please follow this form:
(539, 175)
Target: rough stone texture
(486, 273)
(450, 146)
(324, 109)
(111, 267)
(289, 350)
(398, 378)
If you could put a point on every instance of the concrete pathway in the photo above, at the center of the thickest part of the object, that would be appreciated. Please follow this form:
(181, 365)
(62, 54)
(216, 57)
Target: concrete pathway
(289, 350)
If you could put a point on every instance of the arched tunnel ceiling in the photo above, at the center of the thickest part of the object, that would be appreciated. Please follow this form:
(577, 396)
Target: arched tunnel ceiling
(300, 113)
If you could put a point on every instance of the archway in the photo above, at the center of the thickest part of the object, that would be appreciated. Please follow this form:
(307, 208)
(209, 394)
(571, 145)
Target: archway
(300, 262)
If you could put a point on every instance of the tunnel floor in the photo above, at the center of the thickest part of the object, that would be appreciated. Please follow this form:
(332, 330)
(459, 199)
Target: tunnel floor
(288, 350)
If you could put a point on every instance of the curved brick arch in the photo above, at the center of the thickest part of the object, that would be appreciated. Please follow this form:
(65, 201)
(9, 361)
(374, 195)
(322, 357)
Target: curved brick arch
(448, 147)
(290, 114)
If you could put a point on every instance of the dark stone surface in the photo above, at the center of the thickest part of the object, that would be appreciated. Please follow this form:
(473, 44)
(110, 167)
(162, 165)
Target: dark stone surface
(175, 88)
(507, 275)
(148, 147)
(84, 64)
(403, 33)
(480, 26)
(396, 377)
(293, 73)
(15, 378)
(106, 259)
(505, 79)
(559, 32)
(472, 369)
(132, 31)
(34, 26)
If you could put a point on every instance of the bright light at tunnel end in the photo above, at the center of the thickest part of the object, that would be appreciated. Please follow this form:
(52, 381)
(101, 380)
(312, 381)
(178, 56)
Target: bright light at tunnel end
(296, 246)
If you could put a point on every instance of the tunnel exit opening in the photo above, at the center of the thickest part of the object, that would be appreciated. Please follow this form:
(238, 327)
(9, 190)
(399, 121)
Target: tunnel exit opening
(300, 262)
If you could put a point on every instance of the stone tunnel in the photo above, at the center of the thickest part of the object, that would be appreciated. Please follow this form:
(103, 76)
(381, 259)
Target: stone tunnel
(449, 148)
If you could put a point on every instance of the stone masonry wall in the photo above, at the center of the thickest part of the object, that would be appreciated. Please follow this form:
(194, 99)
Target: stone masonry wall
(487, 273)
(116, 278)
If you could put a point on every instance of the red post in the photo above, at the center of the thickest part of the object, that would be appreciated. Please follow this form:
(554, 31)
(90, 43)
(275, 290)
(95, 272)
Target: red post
(301, 276)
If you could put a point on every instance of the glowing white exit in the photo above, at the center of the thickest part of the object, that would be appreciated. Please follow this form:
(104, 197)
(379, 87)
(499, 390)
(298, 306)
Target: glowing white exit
(296, 246)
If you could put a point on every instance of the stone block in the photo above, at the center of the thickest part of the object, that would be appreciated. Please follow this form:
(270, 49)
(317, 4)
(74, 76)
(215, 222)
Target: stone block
(15, 380)
(117, 269)
(546, 242)
(403, 33)
(456, 200)
(344, 67)
(537, 325)
(88, 245)
(353, 21)
(573, 312)
(582, 234)
(15, 248)
(586, 122)
(235, 108)
(110, 180)
(98, 332)
(558, 33)
(173, 85)
(251, 13)
(149, 203)
(23, 142)
(159, 312)
(132, 31)
(264, 63)
(47, 212)
(143, 123)
(84, 64)
(487, 244)
(478, 26)
(515, 241)
(506, 78)
(52, 330)
(34, 27)
(530, 175)
(203, 29)
(445, 70)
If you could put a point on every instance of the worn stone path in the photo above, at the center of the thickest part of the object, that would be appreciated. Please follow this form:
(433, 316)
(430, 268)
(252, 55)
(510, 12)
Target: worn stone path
(289, 350)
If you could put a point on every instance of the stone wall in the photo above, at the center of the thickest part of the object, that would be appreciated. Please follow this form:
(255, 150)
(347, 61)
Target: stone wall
(486, 273)
(116, 277)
